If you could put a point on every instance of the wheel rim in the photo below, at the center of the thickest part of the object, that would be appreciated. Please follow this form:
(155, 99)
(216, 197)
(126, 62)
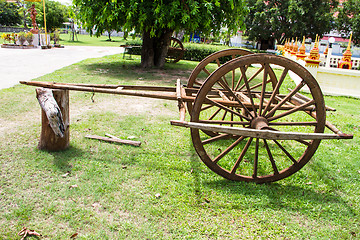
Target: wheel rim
(257, 159)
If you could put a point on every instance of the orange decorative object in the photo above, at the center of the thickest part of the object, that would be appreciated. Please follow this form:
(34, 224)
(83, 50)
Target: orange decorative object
(345, 62)
(286, 46)
(295, 48)
(291, 46)
(301, 55)
(313, 59)
(326, 50)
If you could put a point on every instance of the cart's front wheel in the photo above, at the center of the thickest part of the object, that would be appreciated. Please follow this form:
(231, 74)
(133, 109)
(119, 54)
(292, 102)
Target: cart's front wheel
(242, 94)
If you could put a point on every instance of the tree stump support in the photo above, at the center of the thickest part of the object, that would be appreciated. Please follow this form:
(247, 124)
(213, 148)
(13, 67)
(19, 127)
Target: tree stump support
(55, 123)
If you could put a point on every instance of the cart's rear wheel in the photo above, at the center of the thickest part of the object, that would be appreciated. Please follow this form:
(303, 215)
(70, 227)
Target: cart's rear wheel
(175, 51)
(262, 106)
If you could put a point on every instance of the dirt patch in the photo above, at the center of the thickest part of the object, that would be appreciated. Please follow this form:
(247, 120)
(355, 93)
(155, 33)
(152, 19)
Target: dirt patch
(24, 120)
(121, 105)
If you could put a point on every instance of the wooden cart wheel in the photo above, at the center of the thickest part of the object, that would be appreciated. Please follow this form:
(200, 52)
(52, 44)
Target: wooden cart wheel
(176, 51)
(267, 107)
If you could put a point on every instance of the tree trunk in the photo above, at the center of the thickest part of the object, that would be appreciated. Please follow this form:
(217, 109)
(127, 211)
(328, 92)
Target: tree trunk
(147, 52)
(55, 133)
(161, 48)
(154, 49)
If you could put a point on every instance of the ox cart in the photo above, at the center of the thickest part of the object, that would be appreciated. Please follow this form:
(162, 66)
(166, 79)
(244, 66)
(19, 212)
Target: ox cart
(248, 121)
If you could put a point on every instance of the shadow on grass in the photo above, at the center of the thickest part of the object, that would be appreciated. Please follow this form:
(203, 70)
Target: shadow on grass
(297, 198)
(68, 41)
(126, 69)
(290, 197)
(108, 40)
(62, 158)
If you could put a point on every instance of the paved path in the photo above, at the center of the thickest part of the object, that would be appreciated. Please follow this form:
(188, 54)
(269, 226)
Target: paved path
(26, 64)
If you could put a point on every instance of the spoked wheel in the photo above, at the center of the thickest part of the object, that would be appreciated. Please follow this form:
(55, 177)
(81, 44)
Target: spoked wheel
(175, 51)
(243, 95)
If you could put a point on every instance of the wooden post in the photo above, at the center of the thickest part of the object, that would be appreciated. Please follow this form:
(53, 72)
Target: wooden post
(55, 133)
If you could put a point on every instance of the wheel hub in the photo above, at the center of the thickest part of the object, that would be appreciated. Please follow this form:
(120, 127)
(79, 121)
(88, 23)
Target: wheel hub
(259, 123)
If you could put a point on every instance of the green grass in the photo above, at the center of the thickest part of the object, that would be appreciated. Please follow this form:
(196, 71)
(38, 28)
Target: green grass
(117, 184)
(87, 40)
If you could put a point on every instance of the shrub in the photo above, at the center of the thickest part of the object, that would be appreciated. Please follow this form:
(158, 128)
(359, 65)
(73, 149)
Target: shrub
(193, 51)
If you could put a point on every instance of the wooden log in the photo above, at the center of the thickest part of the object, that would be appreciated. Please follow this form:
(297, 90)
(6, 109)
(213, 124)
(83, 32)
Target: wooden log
(55, 133)
(115, 140)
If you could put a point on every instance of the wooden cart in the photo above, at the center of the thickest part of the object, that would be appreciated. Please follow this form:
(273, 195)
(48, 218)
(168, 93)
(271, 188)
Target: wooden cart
(246, 122)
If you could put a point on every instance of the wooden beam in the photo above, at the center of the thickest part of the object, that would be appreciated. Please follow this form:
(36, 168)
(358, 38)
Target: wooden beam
(254, 133)
(115, 140)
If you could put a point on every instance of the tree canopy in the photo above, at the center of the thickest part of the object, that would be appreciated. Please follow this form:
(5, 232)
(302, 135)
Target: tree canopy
(9, 14)
(348, 19)
(158, 19)
(281, 19)
(56, 15)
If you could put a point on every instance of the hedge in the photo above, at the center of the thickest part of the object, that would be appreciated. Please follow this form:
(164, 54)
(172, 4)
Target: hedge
(193, 51)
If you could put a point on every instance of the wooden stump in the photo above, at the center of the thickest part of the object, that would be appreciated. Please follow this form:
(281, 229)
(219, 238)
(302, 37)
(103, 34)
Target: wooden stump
(55, 133)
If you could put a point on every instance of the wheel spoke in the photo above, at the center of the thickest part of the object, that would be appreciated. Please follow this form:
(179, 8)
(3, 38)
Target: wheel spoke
(233, 80)
(304, 142)
(218, 62)
(226, 108)
(259, 84)
(248, 90)
(206, 107)
(198, 83)
(276, 171)
(239, 81)
(213, 139)
(256, 158)
(238, 100)
(215, 113)
(286, 152)
(225, 122)
(227, 150)
(263, 89)
(298, 87)
(224, 116)
(250, 79)
(293, 123)
(275, 91)
(232, 117)
(295, 109)
(206, 71)
(242, 154)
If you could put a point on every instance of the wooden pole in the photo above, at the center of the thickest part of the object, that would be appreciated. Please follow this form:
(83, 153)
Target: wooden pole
(46, 40)
(55, 133)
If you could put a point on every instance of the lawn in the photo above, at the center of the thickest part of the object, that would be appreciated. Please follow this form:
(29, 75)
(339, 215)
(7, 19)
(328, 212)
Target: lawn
(160, 190)
(87, 40)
